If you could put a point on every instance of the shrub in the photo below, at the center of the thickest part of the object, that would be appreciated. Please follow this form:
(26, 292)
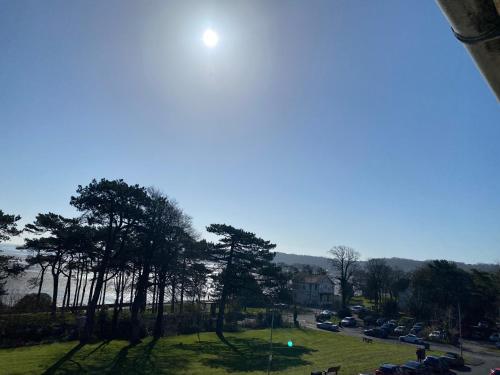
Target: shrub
(29, 303)
(342, 313)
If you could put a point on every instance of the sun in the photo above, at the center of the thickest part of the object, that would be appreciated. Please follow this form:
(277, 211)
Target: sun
(210, 38)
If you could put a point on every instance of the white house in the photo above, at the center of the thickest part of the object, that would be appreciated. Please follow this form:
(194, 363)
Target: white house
(313, 290)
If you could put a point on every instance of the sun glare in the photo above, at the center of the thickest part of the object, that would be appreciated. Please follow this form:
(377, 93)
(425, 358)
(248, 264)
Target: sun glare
(210, 38)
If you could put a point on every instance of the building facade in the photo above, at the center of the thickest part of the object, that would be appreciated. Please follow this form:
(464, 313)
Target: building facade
(313, 290)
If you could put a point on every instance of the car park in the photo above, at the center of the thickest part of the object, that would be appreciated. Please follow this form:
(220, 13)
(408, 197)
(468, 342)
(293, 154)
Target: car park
(436, 336)
(376, 332)
(454, 360)
(417, 327)
(399, 330)
(329, 326)
(437, 365)
(388, 369)
(415, 368)
(495, 337)
(357, 308)
(388, 327)
(412, 339)
(348, 322)
(323, 317)
(381, 321)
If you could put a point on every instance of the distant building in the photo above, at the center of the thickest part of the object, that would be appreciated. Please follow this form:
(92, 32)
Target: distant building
(313, 290)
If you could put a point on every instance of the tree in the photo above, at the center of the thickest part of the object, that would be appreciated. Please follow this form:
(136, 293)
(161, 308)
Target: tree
(238, 253)
(8, 226)
(345, 262)
(114, 208)
(55, 240)
(437, 287)
(377, 281)
(9, 266)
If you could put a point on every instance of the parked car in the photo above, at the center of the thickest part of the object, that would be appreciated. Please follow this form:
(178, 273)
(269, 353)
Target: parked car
(369, 320)
(415, 368)
(437, 364)
(412, 339)
(454, 359)
(393, 322)
(381, 321)
(322, 317)
(328, 312)
(497, 345)
(388, 327)
(348, 322)
(495, 371)
(436, 336)
(376, 332)
(399, 330)
(329, 326)
(495, 337)
(417, 327)
(357, 308)
(388, 369)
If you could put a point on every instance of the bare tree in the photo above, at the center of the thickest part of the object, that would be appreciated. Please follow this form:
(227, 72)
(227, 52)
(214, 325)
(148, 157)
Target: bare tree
(344, 261)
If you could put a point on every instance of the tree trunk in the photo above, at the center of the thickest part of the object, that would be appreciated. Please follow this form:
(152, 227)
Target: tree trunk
(39, 292)
(84, 287)
(114, 324)
(135, 318)
(219, 327)
(92, 305)
(78, 286)
(172, 298)
(55, 288)
(158, 329)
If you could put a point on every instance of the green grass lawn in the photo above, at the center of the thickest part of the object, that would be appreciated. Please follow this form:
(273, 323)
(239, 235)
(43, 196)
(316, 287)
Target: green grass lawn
(312, 350)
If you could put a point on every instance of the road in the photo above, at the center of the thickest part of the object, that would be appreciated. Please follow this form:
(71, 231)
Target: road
(481, 360)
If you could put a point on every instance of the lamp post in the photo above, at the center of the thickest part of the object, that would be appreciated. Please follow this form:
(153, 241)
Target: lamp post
(271, 343)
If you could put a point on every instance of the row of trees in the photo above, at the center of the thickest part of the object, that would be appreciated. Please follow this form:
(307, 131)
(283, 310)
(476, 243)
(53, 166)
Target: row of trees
(141, 242)
(435, 291)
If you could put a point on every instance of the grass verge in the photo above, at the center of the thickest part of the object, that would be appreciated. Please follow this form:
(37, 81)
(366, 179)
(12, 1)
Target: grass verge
(311, 350)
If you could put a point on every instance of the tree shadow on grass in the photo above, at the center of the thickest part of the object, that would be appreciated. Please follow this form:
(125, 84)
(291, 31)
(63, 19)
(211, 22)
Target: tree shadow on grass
(62, 361)
(252, 355)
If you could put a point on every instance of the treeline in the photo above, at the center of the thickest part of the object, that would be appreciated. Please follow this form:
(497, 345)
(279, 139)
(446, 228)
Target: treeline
(438, 291)
(141, 243)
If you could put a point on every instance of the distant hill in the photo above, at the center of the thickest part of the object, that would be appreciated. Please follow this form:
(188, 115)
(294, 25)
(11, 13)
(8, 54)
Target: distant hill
(407, 265)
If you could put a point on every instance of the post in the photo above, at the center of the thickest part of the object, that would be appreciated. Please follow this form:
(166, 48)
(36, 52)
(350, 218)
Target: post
(460, 329)
(271, 344)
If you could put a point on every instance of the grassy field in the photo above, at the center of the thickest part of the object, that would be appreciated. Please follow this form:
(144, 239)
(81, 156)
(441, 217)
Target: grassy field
(312, 350)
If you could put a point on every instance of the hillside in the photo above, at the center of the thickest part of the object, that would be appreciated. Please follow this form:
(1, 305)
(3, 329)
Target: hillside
(407, 265)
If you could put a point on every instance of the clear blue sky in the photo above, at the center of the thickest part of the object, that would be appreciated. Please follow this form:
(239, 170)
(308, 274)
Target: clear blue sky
(313, 124)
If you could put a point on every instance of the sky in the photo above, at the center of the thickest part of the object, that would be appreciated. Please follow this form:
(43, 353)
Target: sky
(312, 124)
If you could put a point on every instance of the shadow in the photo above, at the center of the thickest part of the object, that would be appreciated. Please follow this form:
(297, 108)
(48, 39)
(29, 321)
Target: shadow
(119, 362)
(463, 369)
(66, 358)
(251, 355)
(97, 348)
(223, 339)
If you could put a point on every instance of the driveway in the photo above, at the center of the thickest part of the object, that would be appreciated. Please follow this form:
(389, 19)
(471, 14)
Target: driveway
(480, 358)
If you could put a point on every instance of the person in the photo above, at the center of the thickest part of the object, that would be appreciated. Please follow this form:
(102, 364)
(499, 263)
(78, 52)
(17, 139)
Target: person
(420, 354)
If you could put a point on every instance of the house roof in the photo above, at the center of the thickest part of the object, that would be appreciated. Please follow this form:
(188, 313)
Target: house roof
(313, 279)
